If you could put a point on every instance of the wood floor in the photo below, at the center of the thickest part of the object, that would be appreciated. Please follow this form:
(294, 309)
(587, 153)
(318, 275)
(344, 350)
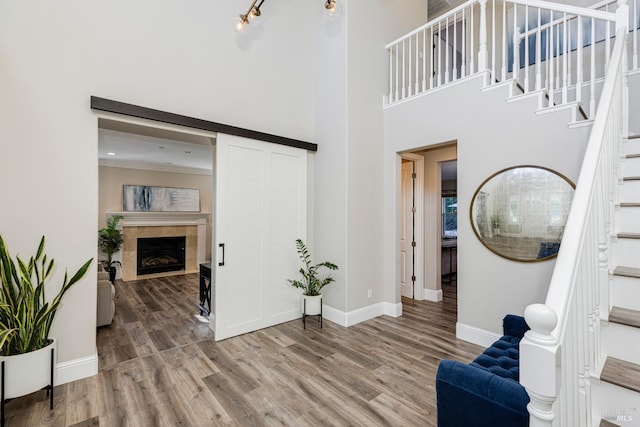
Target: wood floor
(159, 366)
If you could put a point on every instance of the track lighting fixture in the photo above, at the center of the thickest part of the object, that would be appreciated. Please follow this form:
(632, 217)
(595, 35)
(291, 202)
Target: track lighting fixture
(253, 14)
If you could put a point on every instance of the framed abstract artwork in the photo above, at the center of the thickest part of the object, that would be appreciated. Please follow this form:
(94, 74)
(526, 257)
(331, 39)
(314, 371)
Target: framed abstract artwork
(146, 198)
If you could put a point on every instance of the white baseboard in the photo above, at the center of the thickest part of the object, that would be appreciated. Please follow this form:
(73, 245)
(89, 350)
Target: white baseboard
(76, 369)
(433, 295)
(475, 335)
(354, 317)
(393, 310)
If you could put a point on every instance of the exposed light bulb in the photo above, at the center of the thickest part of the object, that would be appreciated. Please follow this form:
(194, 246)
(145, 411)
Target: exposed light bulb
(241, 23)
(254, 16)
(333, 8)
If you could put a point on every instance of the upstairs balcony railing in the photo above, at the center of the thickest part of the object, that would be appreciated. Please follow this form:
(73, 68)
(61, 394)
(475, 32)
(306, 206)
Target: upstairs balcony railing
(561, 50)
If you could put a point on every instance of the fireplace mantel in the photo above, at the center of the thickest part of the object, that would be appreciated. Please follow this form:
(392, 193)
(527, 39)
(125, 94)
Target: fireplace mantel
(160, 219)
(167, 224)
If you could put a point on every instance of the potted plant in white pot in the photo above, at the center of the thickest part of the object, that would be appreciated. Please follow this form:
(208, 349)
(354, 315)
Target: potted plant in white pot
(310, 283)
(110, 240)
(27, 352)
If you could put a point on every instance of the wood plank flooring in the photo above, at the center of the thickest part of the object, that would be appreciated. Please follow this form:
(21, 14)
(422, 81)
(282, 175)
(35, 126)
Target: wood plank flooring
(159, 366)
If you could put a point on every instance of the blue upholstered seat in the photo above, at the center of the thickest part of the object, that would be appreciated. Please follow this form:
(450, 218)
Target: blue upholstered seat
(486, 392)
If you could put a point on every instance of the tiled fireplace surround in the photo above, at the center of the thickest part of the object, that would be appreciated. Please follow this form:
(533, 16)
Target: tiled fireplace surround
(163, 224)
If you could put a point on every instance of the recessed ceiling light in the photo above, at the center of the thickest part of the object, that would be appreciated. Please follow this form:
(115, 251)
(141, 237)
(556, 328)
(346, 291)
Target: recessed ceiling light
(161, 147)
(187, 152)
(169, 163)
(111, 153)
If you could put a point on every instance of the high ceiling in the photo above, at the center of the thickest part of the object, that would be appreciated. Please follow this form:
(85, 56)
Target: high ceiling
(143, 147)
(438, 7)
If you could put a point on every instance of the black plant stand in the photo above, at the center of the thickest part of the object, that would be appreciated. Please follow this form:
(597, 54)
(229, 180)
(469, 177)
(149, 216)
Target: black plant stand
(204, 303)
(305, 315)
(48, 388)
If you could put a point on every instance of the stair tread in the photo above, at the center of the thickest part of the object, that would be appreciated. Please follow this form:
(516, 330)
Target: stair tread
(627, 271)
(625, 316)
(631, 178)
(625, 235)
(632, 156)
(630, 205)
(607, 423)
(633, 136)
(621, 373)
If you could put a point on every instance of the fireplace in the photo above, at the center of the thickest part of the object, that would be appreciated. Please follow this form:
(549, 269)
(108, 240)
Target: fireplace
(160, 254)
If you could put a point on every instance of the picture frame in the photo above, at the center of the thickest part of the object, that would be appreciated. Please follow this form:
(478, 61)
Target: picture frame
(148, 198)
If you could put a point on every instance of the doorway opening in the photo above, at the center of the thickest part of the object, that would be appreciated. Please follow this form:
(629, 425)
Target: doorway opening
(427, 238)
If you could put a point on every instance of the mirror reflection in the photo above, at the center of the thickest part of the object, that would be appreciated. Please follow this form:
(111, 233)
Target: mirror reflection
(519, 213)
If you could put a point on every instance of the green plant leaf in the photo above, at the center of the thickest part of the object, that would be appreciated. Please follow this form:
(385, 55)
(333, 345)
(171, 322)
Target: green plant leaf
(310, 283)
(23, 306)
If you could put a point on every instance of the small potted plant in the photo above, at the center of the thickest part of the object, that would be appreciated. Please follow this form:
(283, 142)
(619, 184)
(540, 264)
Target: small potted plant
(310, 283)
(26, 350)
(110, 240)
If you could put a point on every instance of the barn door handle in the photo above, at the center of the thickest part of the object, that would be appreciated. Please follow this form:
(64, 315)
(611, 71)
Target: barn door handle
(221, 245)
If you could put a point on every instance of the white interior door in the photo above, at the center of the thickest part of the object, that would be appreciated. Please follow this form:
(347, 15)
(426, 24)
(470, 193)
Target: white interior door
(261, 198)
(406, 233)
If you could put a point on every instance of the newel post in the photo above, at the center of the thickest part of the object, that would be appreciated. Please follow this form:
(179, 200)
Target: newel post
(622, 15)
(483, 56)
(538, 364)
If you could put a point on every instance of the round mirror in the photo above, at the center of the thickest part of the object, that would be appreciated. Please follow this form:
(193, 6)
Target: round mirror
(519, 213)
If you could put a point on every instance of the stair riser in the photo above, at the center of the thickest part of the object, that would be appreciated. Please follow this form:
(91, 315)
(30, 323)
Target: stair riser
(630, 191)
(631, 167)
(632, 146)
(626, 252)
(621, 342)
(629, 219)
(625, 292)
(607, 398)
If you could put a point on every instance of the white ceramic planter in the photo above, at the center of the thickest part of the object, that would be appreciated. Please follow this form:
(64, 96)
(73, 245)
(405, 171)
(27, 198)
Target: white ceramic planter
(28, 372)
(311, 305)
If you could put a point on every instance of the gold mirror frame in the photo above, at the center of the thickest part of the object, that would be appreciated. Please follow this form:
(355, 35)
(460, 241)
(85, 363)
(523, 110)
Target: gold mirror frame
(515, 228)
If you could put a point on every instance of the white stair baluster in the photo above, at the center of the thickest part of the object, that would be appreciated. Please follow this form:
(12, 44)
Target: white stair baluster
(493, 41)
(464, 45)
(404, 73)
(592, 71)
(539, 54)
(432, 62)
(504, 41)
(446, 50)
(526, 49)
(455, 48)
(424, 59)
(565, 58)
(552, 59)
(579, 65)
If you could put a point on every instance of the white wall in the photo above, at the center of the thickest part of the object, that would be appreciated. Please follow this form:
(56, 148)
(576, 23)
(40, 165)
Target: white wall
(491, 135)
(351, 75)
(165, 54)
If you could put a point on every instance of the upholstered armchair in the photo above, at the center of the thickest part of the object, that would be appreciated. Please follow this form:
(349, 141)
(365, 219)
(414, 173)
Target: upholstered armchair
(106, 305)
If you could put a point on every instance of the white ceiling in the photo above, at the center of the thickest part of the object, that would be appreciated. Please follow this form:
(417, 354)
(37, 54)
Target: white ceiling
(142, 147)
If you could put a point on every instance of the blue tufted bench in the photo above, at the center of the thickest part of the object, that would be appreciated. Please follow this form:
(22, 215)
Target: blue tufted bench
(485, 392)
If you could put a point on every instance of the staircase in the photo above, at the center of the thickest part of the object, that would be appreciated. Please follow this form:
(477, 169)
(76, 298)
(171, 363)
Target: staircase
(580, 362)
(619, 390)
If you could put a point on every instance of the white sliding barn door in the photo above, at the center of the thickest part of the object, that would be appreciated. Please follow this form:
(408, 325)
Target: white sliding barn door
(260, 210)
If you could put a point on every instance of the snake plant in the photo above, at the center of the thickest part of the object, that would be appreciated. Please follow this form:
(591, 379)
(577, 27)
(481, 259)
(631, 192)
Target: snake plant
(25, 313)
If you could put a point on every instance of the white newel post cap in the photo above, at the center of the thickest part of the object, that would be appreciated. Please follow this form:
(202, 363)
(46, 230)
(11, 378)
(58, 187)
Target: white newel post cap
(542, 320)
